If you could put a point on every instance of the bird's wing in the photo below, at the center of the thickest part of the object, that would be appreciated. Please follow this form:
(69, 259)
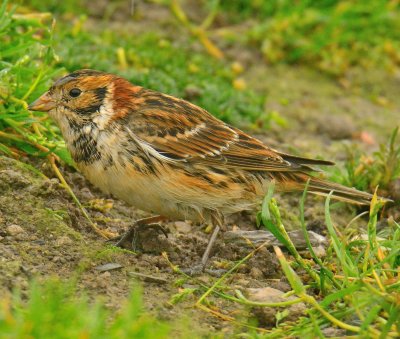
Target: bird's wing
(181, 131)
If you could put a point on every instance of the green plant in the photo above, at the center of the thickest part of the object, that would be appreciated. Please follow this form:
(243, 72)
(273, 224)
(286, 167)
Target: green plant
(54, 6)
(362, 294)
(24, 76)
(367, 172)
(55, 310)
(356, 283)
(331, 35)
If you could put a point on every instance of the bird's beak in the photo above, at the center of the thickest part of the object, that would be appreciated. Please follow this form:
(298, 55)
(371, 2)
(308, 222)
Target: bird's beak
(44, 104)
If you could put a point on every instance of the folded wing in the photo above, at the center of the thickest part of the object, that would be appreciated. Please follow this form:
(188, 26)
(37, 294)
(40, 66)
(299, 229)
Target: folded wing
(181, 131)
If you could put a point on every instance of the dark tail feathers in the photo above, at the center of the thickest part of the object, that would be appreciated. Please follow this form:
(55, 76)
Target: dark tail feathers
(340, 192)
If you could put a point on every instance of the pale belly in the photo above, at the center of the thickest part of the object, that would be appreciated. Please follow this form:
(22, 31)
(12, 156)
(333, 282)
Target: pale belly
(165, 195)
(141, 191)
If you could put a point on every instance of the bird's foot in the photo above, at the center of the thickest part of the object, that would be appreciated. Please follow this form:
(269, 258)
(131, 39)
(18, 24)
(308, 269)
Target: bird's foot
(132, 239)
(200, 269)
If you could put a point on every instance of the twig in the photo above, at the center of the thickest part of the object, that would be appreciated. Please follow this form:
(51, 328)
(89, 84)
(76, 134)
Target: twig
(149, 278)
(105, 234)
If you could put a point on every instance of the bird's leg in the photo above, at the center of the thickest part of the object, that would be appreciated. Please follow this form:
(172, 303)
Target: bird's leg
(132, 236)
(202, 266)
(217, 221)
(210, 245)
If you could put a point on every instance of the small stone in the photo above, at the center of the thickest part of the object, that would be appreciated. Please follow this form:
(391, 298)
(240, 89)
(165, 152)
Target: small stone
(105, 275)
(55, 259)
(14, 230)
(265, 294)
(206, 279)
(63, 240)
(266, 316)
(334, 332)
(337, 127)
(148, 278)
(256, 273)
(183, 227)
(320, 251)
(21, 236)
(242, 282)
(108, 267)
(39, 242)
(86, 193)
(11, 178)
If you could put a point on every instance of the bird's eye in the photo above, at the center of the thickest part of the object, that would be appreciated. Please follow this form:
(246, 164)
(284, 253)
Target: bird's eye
(75, 92)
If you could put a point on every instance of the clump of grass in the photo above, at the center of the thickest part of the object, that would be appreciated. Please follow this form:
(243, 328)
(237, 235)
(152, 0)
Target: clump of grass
(24, 76)
(358, 280)
(54, 6)
(53, 310)
(332, 36)
(355, 285)
(367, 172)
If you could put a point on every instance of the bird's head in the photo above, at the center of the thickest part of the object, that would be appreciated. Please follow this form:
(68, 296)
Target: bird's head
(79, 96)
(86, 97)
(86, 103)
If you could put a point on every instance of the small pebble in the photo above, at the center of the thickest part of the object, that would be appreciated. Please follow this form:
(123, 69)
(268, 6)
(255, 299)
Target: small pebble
(266, 316)
(320, 251)
(265, 294)
(108, 267)
(86, 193)
(183, 227)
(14, 230)
(256, 273)
(337, 127)
(55, 259)
(63, 240)
(334, 332)
(243, 282)
(148, 278)
(105, 275)
(39, 242)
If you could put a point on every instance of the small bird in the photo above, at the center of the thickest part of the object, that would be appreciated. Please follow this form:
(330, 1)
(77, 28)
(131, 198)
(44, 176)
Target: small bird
(169, 157)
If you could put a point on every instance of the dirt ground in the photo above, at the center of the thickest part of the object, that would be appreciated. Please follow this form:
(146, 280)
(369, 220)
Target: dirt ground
(43, 233)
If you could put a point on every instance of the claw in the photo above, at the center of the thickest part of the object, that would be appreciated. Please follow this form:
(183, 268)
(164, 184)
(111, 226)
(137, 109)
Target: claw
(199, 269)
(132, 236)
